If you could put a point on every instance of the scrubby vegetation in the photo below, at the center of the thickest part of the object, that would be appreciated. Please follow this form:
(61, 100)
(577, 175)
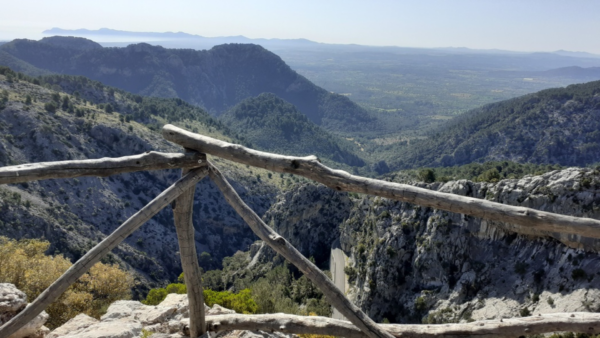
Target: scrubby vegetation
(277, 126)
(492, 172)
(553, 126)
(277, 290)
(25, 264)
(216, 79)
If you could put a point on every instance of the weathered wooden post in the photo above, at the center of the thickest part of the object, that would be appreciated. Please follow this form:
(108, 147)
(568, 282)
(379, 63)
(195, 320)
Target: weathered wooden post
(284, 248)
(100, 250)
(182, 213)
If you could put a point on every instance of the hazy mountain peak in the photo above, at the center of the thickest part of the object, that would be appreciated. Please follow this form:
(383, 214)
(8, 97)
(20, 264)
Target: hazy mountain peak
(71, 42)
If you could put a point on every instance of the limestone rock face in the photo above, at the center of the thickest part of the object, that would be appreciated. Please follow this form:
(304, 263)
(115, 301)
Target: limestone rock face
(308, 216)
(11, 298)
(129, 319)
(415, 264)
(412, 264)
(13, 301)
(74, 326)
(74, 214)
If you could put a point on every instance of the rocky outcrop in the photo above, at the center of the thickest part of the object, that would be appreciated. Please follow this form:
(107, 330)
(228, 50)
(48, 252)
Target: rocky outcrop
(129, 319)
(76, 214)
(308, 215)
(413, 264)
(13, 301)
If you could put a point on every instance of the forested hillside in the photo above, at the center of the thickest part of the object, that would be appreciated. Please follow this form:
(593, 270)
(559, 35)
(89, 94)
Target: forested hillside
(553, 126)
(63, 117)
(275, 125)
(216, 79)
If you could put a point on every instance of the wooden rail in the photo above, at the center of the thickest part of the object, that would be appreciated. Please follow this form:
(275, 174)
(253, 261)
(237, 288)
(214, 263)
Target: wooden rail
(100, 250)
(98, 167)
(180, 194)
(581, 322)
(310, 167)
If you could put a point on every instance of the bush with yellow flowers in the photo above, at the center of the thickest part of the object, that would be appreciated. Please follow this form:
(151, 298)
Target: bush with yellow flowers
(25, 264)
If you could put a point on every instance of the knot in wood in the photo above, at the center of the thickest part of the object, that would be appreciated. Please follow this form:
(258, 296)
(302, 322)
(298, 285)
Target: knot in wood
(277, 238)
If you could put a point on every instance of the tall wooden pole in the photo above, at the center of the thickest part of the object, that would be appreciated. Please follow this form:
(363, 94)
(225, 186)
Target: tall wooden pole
(182, 213)
(100, 250)
(284, 248)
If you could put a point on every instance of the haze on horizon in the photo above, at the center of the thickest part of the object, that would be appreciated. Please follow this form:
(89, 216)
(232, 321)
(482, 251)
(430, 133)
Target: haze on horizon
(533, 25)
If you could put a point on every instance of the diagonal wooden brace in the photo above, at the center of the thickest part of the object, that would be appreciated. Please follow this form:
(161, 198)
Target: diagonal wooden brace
(284, 248)
(100, 250)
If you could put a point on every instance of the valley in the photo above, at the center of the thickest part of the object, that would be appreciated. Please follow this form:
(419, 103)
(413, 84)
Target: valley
(470, 123)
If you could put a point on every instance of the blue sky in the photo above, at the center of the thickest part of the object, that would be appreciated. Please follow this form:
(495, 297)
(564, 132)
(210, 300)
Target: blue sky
(525, 25)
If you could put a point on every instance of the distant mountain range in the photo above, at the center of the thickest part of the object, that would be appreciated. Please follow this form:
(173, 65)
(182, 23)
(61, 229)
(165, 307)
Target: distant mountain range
(114, 37)
(557, 126)
(89, 120)
(216, 79)
(178, 39)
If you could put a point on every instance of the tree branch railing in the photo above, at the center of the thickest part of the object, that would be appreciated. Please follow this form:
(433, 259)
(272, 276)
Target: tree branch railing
(101, 167)
(180, 195)
(311, 168)
(581, 322)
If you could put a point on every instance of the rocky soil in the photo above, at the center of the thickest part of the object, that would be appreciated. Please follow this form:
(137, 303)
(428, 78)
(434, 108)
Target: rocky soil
(123, 319)
(13, 301)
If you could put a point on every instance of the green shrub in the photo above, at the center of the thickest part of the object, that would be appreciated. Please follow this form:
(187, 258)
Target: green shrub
(241, 302)
(155, 296)
(177, 288)
(25, 264)
(490, 175)
(51, 107)
(385, 214)
(420, 304)
(578, 274)
(521, 268)
(427, 175)
(351, 273)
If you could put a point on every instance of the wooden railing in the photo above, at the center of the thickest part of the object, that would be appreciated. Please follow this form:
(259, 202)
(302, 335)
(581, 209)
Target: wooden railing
(195, 167)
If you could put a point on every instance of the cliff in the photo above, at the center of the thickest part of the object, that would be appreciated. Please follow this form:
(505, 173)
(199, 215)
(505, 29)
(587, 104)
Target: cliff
(406, 263)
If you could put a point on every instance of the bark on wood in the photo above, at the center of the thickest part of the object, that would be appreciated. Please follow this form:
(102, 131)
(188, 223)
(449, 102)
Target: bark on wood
(310, 167)
(98, 167)
(182, 214)
(580, 322)
(284, 248)
(100, 250)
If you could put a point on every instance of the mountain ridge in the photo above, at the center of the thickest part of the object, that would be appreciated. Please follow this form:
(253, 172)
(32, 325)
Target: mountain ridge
(216, 79)
(552, 126)
(63, 117)
(277, 126)
(294, 42)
